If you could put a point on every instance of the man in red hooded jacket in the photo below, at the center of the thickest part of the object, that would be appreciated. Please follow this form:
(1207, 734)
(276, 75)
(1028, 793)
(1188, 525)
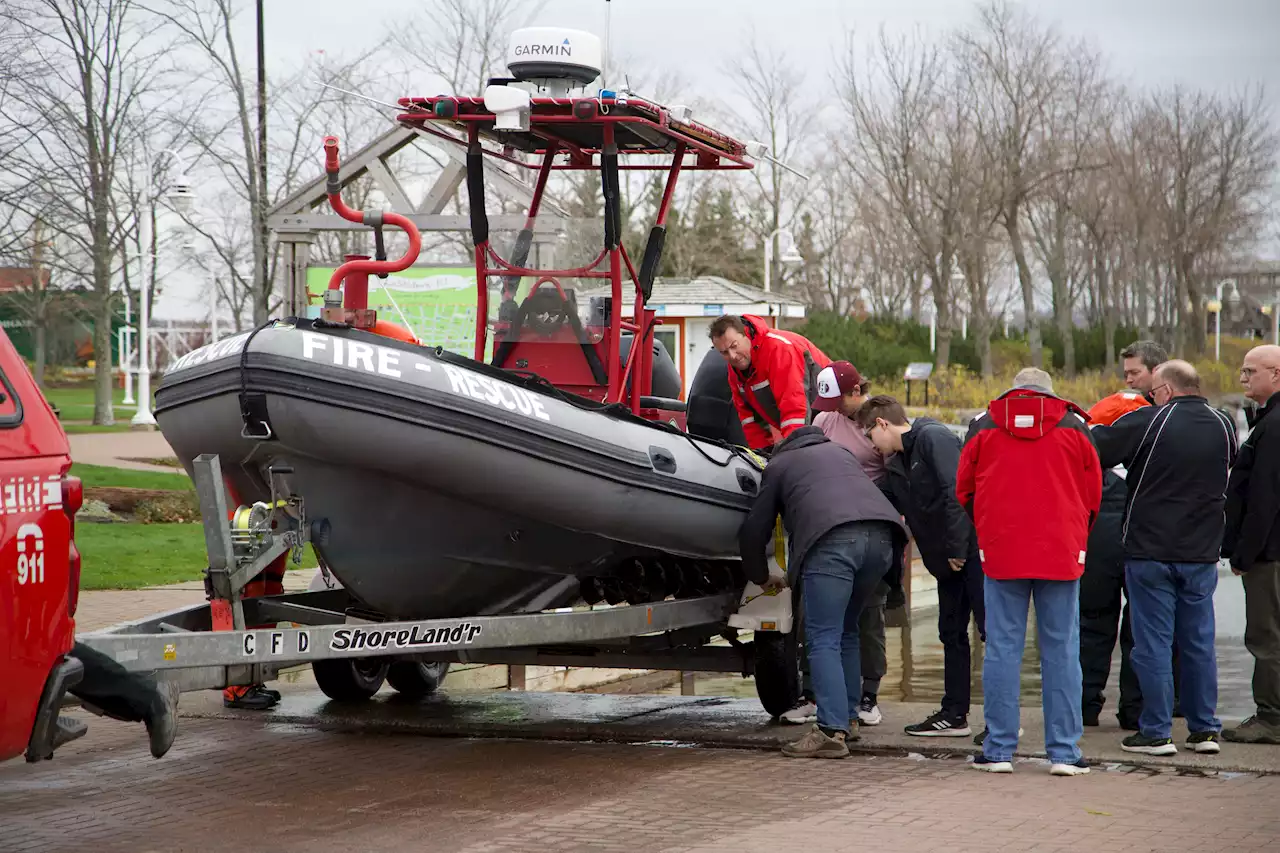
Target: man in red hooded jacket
(1031, 480)
(772, 376)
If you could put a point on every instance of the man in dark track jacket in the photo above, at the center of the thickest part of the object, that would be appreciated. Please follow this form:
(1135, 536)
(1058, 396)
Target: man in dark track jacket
(1252, 542)
(1178, 455)
(844, 535)
(923, 458)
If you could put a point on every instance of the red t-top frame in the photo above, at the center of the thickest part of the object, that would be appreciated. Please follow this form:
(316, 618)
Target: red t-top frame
(576, 134)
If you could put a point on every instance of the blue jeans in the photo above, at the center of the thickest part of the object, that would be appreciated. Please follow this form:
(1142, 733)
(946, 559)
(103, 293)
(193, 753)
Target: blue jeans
(1169, 601)
(1058, 631)
(839, 575)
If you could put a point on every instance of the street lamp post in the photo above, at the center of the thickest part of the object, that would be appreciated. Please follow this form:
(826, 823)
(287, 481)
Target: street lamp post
(790, 257)
(1217, 337)
(181, 194)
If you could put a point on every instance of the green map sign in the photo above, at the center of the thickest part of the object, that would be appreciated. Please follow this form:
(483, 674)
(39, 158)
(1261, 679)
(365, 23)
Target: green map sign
(438, 304)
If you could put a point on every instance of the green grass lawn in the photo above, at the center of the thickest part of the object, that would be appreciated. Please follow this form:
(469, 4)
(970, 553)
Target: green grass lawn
(76, 403)
(130, 556)
(93, 476)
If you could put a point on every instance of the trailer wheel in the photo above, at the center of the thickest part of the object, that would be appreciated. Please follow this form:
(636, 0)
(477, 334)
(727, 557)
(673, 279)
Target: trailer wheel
(416, 679)
(778, 680)
(350, 679)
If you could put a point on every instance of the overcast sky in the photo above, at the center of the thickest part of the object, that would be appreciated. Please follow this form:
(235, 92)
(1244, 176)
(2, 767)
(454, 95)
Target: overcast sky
(1215, 44)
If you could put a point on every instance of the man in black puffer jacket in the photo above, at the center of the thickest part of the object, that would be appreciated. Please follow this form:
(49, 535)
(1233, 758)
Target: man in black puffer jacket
(922, 459)
(844, 535)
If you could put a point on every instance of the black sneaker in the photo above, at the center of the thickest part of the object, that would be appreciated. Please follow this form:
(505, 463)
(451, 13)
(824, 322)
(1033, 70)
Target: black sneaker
(256, 698)
(1205, 743)
(940, 724)
(1149, 745)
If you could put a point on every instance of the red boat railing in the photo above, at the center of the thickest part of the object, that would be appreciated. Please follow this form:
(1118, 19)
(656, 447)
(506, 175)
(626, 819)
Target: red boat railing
(559, 133)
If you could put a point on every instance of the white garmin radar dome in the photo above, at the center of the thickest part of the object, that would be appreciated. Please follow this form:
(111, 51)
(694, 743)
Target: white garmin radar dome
(554, 53)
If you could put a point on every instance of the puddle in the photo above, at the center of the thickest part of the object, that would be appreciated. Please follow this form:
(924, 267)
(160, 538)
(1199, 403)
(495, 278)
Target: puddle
(915, 662)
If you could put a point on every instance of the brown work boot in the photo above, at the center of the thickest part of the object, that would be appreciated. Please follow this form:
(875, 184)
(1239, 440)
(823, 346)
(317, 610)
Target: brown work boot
(1253, 730)
(815, 744)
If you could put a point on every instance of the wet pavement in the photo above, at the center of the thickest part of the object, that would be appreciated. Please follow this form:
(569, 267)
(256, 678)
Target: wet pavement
(693, 721)
(249, 785)
(915, 660)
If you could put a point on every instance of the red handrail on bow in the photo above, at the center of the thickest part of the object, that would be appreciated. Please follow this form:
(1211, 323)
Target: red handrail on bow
(334, 189)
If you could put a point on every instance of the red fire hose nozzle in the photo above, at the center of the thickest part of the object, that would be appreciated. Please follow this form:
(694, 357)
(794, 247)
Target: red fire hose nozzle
(333, 189)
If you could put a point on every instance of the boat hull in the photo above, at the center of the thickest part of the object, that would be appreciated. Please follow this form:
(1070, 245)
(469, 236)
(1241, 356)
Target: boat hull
(450, 489)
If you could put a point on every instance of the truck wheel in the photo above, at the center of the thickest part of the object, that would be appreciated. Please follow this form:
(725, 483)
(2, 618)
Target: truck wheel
(348, 679)
(416, 679)
(778, 681)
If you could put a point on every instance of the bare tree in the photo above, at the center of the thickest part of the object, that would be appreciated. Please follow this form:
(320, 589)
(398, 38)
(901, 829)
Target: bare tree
(461, 43)
(775, 110)
(1018, 69)
(837, 246)
(224, 130)
(84, 72)
(1072, 127)
(978, 201)
(895, 115)
(34, 301)
(1218, 159)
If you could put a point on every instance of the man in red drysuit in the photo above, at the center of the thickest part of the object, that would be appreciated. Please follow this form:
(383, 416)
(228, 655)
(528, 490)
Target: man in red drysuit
(772, 376)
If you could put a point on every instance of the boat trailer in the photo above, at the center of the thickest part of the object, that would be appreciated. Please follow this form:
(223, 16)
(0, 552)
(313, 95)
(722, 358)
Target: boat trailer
(209, 646)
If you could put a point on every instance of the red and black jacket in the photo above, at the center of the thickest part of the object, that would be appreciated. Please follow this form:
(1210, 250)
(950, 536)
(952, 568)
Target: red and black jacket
(1031, 480)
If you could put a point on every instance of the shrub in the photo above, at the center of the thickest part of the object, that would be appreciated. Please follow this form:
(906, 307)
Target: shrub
(878, 347)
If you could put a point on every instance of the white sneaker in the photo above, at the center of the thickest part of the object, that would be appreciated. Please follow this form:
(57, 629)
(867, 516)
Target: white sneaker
(1080, 768)
(805, 712)
(869, 712)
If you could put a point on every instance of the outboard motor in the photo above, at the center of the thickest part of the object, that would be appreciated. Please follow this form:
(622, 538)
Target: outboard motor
(711, 411)
(665, 375)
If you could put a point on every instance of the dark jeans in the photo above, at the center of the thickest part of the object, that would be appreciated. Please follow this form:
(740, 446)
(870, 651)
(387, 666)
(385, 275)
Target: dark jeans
(875, 661)
(960, 598)
(1262, 637)
(1174, 600)
(1102, 616)
(871, 641)
(112, 689)
(839, 574)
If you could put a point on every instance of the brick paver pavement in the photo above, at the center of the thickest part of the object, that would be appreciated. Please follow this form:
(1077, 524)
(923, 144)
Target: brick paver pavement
(245, 786)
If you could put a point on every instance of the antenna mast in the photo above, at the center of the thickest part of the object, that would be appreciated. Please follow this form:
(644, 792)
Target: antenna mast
(604, 66)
